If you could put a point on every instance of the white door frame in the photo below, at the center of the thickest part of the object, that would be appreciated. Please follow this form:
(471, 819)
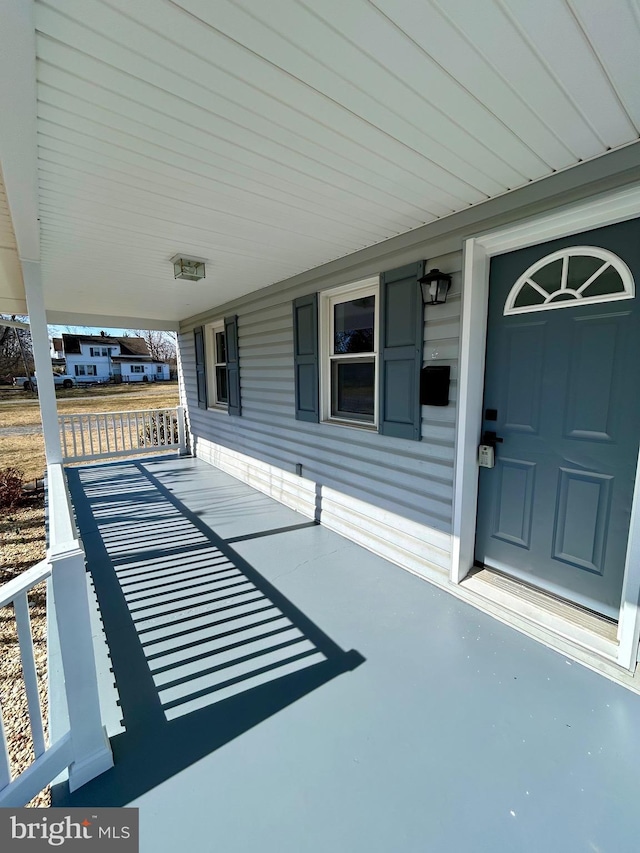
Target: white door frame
(478, 251)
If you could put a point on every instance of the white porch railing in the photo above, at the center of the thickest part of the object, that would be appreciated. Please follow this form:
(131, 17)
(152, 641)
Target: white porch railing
(84, 748)
(110, 434)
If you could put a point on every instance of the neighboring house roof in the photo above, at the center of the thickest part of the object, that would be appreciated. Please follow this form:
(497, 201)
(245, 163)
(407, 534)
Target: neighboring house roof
(128, 346)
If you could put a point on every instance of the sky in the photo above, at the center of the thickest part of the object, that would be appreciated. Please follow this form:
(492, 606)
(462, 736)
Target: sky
(57, 331)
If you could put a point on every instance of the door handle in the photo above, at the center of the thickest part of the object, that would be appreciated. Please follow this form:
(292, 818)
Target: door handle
(489, 437)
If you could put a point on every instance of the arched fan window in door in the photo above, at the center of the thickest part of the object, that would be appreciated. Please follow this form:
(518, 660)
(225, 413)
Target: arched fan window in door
(578, 275)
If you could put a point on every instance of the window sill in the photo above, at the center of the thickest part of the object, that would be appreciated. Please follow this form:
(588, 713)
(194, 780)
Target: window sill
(217, 409)
(350, 424)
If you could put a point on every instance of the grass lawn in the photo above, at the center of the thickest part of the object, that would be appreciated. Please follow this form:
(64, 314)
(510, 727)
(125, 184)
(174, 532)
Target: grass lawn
(22, 537)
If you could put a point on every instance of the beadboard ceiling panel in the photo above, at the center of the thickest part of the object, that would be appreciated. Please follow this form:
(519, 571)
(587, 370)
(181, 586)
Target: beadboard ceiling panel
(11, 288)
(7, 237)
(272, 137)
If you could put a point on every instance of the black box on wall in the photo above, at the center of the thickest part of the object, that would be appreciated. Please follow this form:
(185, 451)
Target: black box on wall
(434, 385)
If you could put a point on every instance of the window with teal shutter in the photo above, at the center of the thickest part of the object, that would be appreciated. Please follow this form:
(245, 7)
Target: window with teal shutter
(401, 333)
(305, 357)
(234, 405)
(371, 354)
(201, 368)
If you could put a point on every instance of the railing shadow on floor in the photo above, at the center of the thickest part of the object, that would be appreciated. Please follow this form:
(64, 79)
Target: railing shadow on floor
(203, 648)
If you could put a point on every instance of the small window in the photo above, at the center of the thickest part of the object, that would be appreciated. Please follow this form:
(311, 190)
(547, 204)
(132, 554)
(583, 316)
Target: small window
(569, 277)
(350, 357)
(158, 368)
(218, 383)
(137, 368)
(86, 370)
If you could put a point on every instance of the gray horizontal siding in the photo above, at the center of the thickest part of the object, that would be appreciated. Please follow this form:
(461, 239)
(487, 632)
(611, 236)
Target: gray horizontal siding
(412, 479)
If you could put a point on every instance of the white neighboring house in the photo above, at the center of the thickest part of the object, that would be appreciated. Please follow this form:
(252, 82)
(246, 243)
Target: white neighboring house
(100, 358)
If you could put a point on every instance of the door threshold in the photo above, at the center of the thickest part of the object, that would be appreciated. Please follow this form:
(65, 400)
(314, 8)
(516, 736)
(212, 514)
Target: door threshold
(584, 628)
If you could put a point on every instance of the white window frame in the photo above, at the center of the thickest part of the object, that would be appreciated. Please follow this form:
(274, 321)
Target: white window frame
(478, 251)
(329, 299)
(137, 368)
(210, 347)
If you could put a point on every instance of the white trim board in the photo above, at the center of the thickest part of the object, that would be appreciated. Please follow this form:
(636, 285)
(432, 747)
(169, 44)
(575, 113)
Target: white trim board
(478, 251)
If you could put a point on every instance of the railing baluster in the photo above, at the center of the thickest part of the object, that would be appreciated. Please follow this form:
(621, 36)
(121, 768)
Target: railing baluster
(25, 638)
(106, 432)
(167, 437)
(63, 425)
(73, 423)
(90, 432)
(5, 766)
(130, 436)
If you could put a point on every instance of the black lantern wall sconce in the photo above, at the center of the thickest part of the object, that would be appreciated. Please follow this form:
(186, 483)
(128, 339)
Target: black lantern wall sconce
(435, 287)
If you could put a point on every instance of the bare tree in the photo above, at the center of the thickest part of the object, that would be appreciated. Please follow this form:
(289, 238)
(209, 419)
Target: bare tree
(161, 345)
(16, 350)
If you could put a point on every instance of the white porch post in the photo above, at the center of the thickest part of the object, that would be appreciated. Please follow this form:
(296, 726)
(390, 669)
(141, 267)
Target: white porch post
(182, 438)
(90, 745)
(91, 749)
(42, 358)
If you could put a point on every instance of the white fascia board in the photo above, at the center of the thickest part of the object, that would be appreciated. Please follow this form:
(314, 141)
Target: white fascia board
(13, 324)
(18, 143)
(110, 321)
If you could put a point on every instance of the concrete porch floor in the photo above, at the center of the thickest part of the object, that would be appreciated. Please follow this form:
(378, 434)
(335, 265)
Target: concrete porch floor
(282, 689)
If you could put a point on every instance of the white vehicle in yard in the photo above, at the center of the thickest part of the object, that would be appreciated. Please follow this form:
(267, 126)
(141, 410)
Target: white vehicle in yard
(60, 380)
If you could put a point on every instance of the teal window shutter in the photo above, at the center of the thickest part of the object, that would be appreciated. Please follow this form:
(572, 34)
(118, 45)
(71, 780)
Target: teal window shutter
(305, 357)
(401, 332)
(201, 367)
(233, 365)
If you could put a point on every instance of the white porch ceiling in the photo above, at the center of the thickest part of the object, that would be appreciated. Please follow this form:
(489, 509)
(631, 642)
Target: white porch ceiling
(271, 137)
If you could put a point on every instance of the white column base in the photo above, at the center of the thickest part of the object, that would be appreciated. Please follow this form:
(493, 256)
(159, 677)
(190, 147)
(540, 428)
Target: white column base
(81, 772)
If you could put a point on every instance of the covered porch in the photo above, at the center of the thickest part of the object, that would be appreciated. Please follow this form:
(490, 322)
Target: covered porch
(277, 687)
(265, 683)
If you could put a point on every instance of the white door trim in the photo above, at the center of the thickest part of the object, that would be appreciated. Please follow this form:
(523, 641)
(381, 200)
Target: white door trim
(478, 251)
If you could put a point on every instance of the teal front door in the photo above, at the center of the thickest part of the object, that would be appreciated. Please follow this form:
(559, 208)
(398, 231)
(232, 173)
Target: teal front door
(562, 392)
